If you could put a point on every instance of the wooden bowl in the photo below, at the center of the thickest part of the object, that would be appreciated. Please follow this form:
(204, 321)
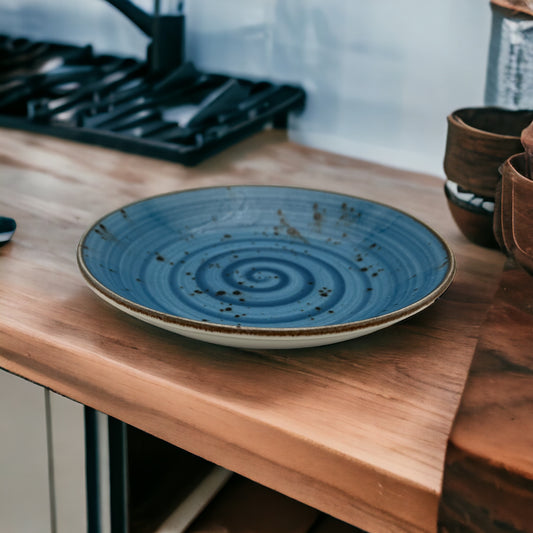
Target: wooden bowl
(472, 214)
(513, 214)
(479, 140)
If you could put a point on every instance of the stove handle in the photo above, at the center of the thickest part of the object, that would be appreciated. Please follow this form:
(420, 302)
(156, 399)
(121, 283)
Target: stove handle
(166, 27)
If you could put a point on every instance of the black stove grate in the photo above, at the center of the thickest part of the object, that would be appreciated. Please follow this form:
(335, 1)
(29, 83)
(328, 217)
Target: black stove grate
(183, 116)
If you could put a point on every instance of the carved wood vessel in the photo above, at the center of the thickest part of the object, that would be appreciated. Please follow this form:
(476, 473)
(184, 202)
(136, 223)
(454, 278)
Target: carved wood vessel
(513, 216)
(479, 140)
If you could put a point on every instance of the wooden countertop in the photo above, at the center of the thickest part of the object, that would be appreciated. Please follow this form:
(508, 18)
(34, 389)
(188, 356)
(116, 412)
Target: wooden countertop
(358, 430)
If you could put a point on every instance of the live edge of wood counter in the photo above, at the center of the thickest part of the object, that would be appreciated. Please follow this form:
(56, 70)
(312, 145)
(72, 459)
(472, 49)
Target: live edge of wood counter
(488, 473)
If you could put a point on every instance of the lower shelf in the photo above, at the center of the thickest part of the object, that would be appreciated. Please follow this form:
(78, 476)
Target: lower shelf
(243, 506)
(169, 490)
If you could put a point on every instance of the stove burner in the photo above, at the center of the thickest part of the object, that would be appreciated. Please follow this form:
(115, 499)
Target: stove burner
(183, 116)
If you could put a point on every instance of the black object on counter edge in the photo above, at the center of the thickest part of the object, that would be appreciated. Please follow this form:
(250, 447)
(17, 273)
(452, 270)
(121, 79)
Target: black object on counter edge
(7, 229)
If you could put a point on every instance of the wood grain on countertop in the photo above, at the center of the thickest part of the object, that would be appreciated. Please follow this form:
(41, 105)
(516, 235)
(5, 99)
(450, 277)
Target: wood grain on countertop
(488, 479)
(357, 430)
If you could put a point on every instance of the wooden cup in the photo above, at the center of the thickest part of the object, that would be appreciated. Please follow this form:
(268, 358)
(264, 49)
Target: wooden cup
(513, 213)
(479, 140)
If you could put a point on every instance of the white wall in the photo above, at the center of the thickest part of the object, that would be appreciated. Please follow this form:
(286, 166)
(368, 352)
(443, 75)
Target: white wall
(380, 76)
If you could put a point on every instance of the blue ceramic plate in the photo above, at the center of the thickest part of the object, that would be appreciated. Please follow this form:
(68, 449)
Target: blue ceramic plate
(265, 267)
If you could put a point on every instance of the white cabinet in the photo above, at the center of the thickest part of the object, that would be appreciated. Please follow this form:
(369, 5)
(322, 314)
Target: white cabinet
(24, 489)
(28, 471)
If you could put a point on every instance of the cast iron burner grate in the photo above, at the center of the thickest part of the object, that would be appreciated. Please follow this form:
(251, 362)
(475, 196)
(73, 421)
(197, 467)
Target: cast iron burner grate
(183, 116)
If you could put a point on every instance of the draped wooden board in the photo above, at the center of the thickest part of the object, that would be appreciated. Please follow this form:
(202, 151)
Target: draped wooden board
(357, 430)
(488, 476)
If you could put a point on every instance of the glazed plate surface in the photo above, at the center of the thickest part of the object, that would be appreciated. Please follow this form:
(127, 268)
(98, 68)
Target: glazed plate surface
(265, 267)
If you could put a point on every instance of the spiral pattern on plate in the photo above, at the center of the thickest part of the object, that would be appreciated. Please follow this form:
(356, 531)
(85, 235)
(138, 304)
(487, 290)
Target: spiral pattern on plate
(258, 284)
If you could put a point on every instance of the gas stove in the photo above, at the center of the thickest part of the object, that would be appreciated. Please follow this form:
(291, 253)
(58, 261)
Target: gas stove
(180, 114)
